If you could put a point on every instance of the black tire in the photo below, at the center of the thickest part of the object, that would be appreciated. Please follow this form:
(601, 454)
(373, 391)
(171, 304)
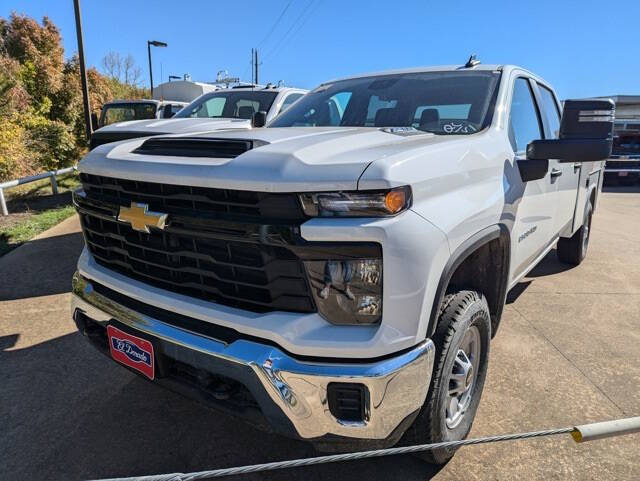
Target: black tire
(573, 250)
(460, 312)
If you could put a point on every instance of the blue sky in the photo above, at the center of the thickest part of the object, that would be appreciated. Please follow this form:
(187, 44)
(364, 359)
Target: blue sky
(584, 48)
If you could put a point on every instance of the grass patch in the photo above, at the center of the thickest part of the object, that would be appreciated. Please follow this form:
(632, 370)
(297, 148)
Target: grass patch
(26, 227)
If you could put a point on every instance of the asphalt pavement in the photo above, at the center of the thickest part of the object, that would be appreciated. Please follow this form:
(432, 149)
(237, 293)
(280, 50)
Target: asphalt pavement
(567, 353)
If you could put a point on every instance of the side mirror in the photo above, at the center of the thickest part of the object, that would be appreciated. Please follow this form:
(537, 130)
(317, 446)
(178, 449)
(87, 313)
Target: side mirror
(94, 121)
(532, 169)
(586, 133)
(259, 119)
(167, 111)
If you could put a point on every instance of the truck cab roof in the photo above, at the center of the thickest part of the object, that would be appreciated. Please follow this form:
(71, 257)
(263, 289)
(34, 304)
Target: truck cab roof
(438, 68)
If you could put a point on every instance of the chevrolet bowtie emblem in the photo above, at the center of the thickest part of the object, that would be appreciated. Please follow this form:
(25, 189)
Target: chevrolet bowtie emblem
(140, 218)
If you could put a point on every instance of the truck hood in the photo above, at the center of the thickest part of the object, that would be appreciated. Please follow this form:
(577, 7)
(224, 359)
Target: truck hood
(292, 159)
(175, 126)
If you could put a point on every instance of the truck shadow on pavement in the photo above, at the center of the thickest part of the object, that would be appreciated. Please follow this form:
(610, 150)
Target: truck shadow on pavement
(40, 267)
(548, 266)
(70, 413)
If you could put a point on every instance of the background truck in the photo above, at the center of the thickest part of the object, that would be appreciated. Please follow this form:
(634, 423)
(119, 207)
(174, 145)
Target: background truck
(338, 276)
(623, 167)
(168, 99)
(137, 109)
(230, 108)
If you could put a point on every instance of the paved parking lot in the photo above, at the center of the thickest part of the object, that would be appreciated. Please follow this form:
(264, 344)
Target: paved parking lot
(567, 353)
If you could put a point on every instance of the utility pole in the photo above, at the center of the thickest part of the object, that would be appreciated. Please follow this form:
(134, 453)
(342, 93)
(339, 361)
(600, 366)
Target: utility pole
(253, 70)
(150, 68)
(256, 64)
(83, 71)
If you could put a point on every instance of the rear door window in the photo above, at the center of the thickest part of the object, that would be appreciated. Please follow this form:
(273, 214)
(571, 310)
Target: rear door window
(551, 110)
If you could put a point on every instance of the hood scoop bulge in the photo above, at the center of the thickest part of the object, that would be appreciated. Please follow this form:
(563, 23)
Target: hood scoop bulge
(197, 147)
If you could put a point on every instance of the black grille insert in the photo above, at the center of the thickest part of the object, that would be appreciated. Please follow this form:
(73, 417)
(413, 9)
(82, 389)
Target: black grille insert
(255, 277)
(195, 202)
(198, 254)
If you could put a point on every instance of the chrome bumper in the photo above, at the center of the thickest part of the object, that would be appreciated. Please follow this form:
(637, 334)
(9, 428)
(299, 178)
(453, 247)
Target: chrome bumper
(397, 387)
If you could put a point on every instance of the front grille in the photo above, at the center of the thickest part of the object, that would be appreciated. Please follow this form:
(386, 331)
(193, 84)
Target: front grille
(195, 202)
(201, 253)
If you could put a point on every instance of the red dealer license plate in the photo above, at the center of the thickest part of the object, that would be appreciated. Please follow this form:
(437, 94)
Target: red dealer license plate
(132, 351)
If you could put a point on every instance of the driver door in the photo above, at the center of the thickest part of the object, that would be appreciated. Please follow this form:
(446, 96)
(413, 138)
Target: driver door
(536, 205)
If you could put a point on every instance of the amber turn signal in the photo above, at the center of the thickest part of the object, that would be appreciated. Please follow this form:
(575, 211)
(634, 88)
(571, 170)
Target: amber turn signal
(395, 201)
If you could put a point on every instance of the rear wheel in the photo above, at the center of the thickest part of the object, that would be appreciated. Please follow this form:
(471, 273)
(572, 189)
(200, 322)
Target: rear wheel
(462, 351)
(573, 250)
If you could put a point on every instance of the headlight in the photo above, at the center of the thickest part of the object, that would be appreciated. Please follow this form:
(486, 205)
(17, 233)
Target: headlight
(378, 203)
(347, 291)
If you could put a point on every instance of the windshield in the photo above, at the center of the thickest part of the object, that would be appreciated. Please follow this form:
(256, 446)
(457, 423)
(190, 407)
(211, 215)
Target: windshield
(233, 105)
(459, 102)
(123, 112)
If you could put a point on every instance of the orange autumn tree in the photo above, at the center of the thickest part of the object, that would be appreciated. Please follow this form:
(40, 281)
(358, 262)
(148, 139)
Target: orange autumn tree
(41, 111)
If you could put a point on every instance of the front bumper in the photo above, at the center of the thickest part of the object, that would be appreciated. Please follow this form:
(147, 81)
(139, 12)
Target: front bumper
(291, 394)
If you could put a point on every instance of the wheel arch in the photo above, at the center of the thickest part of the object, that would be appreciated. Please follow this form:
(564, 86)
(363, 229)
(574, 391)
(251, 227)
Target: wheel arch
(466, 268)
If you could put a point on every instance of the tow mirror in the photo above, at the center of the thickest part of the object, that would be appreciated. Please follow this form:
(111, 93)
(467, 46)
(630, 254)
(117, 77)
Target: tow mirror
(259, 119)
(586, 133)
(167, 111)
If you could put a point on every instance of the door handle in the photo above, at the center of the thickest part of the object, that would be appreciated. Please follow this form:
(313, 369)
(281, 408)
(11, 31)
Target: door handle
(577, 166)
(556, 172)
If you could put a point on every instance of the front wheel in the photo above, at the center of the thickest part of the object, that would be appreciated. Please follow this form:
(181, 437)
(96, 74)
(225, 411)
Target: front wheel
(462, 352)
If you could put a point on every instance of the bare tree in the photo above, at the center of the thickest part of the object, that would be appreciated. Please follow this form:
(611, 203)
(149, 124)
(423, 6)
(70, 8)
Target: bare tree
(112, 65)
(131, 72)
(122, 69)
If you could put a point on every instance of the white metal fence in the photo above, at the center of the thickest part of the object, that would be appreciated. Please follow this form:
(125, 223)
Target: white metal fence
(52, 174)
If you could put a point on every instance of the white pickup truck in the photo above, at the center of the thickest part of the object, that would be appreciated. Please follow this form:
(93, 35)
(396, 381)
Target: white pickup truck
(232, 108)
(338, 275)
(118, 111)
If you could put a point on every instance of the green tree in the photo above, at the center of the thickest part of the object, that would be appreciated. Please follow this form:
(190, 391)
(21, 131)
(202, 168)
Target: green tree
(41, 108)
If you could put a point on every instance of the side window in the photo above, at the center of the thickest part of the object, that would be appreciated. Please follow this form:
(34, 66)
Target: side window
(524, 122)
(550, 108)
(288, 101)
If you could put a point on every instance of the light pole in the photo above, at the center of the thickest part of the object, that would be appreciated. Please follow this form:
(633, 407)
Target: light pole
(83, 72)
(155, 43)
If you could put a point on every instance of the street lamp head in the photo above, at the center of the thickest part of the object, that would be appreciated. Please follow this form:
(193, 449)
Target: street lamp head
(156, 43)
